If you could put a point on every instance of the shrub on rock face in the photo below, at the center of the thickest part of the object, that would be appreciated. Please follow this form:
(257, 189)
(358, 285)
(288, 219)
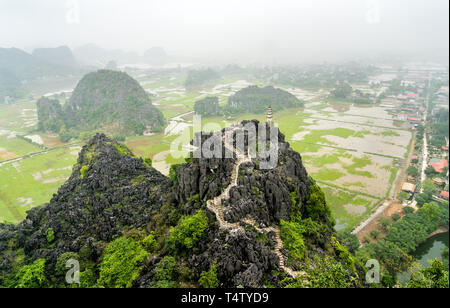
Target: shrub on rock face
(292, 236)
(165, 273)
(121, 263)
(50, 234)
(31, 276)
(150, 242)
(316, 206)
(83, 171)
(209, 279)
(60, 266)
(188, 231)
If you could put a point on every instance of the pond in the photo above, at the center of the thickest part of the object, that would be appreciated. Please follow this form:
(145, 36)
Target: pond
(430, 249)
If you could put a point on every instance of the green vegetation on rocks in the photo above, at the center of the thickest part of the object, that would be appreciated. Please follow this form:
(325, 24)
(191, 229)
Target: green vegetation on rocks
(102, 100)
(256, 100)
(121, 263)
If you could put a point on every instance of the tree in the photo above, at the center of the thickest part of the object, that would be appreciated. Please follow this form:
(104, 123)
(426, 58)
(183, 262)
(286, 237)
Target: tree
(412, 171)
(395, 217)
(430, 172)
(434, 276)
(31, 276)
(188, 230)
(122, 263)
(408, 210)
(165, 273)
(292, 236)
(350, 240)
(316, 206)
(343, 90)
(423, 198)
(428, 186)
(209, 279)
(366, 240)
(430, 211)
(384, 223)
(402, 196)
(374, 234)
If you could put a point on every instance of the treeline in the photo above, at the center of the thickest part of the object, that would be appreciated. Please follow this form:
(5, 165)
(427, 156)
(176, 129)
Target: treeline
(208, 106)
(344, 91)
(197, 78)
(315, 76)
(403, 238)
(254, 99)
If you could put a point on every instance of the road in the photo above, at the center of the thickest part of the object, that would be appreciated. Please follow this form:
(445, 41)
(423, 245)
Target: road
(13, 160)
(425, 142)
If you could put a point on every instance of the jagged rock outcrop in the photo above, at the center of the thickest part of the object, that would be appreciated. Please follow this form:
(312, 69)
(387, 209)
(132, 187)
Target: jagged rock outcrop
(113, 194)
(106, 98)
(265, 193)
(108, 190)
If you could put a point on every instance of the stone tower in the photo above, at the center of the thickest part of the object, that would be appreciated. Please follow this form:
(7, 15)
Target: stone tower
(269, 114)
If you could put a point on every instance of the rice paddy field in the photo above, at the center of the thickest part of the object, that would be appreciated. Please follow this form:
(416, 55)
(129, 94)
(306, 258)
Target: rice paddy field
(353, 152)
(29, 173)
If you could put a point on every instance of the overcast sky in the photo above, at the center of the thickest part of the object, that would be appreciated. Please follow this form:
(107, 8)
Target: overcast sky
(269, 28)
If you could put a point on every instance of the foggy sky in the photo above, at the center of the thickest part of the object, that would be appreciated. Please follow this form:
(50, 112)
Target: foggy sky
(268, 29)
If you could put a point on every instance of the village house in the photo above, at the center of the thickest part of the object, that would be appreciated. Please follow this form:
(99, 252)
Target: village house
(438, 181)
(438, 165)
(444, 195)
(408, 187)
(412, 179)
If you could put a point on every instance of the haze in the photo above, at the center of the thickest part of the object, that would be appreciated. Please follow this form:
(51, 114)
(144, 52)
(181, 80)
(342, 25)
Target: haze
(233, 30)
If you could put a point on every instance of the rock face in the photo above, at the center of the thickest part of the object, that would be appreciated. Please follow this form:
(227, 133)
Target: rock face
(111, 194)
(264, 193)
(108, 189)
(50, 114)
(108, 99)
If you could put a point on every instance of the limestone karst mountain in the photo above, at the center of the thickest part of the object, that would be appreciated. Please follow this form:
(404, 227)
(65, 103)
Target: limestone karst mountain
(104, 99)
(216, 222)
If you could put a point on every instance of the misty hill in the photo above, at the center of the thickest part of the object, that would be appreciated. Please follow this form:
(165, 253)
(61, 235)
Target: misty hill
(17, 65)
(209, 106)
(155, 55)
(9, 85)
(128, 225)
(256, 100)
(198, 78)
(109, 100)
(92, 54)
(59, 55)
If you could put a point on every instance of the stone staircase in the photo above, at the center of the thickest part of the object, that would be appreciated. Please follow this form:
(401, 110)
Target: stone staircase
(217, 208)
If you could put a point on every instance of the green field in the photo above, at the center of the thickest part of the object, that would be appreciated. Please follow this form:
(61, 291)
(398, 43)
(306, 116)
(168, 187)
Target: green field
(17, 147)
(32, 181)
(353, 181)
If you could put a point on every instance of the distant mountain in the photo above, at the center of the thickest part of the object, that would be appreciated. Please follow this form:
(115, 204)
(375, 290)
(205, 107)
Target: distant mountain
(102, 99)
(17, 65)
(90, 54)
(198, 78)
(94, 55)
(59, 55)
(209, 106)
(156, 55)
(256, 100)
(155, 52)
(9, 85)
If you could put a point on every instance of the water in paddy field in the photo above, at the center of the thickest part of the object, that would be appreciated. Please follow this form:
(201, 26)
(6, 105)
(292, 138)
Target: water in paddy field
(429, 250)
